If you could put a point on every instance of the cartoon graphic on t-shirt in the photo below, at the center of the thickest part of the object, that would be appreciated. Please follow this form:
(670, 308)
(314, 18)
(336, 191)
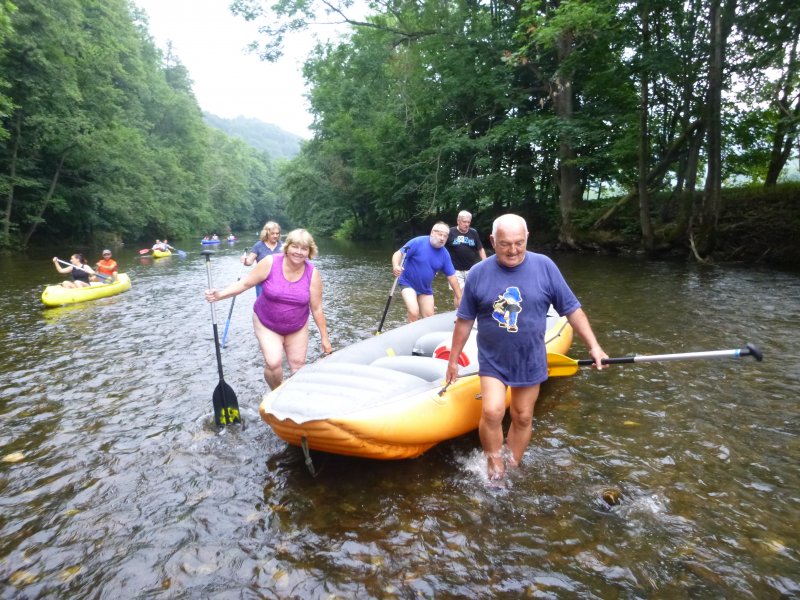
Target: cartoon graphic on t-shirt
(507, 308)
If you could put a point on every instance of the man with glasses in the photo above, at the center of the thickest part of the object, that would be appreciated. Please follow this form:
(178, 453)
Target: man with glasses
(416, 264)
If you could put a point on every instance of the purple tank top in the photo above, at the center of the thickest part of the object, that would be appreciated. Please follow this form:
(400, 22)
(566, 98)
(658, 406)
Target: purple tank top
(283, 306)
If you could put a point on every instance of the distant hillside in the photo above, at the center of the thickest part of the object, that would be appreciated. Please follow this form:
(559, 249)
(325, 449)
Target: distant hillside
(262, 136)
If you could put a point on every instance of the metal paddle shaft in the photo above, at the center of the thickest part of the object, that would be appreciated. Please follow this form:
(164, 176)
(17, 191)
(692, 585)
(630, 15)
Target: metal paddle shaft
(226, 406)
(389, 299)
(233, 301)
(559, 365)
(69, 264)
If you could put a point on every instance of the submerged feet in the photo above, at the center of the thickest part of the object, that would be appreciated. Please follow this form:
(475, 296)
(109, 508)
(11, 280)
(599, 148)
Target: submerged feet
(498, 463)
(495, 466)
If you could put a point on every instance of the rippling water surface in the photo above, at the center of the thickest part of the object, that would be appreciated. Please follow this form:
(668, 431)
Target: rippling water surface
(113, 484)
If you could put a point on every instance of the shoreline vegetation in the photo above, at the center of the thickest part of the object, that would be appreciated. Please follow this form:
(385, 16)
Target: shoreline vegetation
(758, 225)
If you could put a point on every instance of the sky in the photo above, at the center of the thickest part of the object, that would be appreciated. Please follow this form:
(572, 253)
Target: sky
(228, 81)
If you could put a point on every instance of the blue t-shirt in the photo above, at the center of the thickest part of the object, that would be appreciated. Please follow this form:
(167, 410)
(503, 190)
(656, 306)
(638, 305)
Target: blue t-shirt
(261, 250)
(422, 263)
(511, 306)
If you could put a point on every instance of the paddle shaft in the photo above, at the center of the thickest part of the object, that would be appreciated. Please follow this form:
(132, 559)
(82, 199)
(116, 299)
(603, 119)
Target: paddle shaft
(230, 408)
(69, 264)
(214, 318)
(230, 312)
(559, 365)
(750, 350)
(389, 299)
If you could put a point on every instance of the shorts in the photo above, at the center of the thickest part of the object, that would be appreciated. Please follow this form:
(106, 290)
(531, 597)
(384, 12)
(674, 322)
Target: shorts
(403, 286)
(462, 278)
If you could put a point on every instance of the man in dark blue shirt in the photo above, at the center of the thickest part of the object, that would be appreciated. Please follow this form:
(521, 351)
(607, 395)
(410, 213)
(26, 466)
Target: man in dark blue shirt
(509, 294)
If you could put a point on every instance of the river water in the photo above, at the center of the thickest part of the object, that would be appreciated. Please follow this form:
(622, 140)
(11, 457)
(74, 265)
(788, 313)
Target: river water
(113, 483)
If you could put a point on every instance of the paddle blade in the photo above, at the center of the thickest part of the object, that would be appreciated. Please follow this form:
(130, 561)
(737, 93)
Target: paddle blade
(144, 251)
(226, 406)
(559, 365)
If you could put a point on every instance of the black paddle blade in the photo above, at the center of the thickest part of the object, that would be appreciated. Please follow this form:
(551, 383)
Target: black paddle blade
(226, 406)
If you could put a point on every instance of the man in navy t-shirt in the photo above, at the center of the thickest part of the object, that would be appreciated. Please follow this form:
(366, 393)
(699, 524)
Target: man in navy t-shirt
(509, 295)
(416, 264)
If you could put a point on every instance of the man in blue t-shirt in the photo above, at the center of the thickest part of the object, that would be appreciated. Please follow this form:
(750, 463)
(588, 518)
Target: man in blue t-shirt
(416, 264)
(509, 295)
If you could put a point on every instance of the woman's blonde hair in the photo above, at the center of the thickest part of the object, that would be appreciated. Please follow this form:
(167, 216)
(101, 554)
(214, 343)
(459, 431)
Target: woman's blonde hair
(268, 226)
(301, 237)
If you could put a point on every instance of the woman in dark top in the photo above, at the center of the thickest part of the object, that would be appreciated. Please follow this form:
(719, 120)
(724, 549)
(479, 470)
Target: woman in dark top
(79, 270)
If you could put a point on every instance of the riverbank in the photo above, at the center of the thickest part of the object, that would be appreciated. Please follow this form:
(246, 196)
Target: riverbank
(756, 225)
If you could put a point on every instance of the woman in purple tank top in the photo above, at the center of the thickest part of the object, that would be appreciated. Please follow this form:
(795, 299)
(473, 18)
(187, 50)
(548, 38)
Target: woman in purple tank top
(291, 289)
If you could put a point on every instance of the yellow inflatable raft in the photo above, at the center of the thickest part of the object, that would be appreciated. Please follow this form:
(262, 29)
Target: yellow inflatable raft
(161, 253)
(382, 397)
(58, 295)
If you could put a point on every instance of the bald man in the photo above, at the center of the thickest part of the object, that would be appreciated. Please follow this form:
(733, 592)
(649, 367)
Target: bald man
(509, 294)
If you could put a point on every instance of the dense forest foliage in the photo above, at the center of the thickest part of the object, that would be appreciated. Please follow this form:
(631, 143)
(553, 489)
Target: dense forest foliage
(266, 137)
(576, 114)
(103, 139)
(540, 107)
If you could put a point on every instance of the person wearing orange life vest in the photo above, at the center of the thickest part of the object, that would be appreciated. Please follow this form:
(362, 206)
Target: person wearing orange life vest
(106, 266)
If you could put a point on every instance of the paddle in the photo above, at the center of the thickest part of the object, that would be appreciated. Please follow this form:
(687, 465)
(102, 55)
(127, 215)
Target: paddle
(559, 365)
(389, 299)
(181, 253)
(96, 274)
(226, 406)
(230, 312)
(144, 251)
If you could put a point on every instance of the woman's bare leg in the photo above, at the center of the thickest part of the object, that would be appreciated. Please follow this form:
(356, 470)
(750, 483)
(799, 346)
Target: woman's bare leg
(271, 345)
(296, 347)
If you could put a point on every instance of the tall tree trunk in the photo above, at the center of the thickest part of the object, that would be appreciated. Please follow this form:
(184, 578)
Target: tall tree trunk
(786, 129)
(644, 137)
(687, 168)
(45, 203)
(720, 16)
(568, 176)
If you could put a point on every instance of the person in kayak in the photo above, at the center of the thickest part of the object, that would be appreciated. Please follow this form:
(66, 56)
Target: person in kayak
(106, 266)
(78, 269)
(291, 290)
(509, 294)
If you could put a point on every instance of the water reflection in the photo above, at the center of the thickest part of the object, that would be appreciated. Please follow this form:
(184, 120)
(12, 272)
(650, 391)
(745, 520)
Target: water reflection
(117, 485)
